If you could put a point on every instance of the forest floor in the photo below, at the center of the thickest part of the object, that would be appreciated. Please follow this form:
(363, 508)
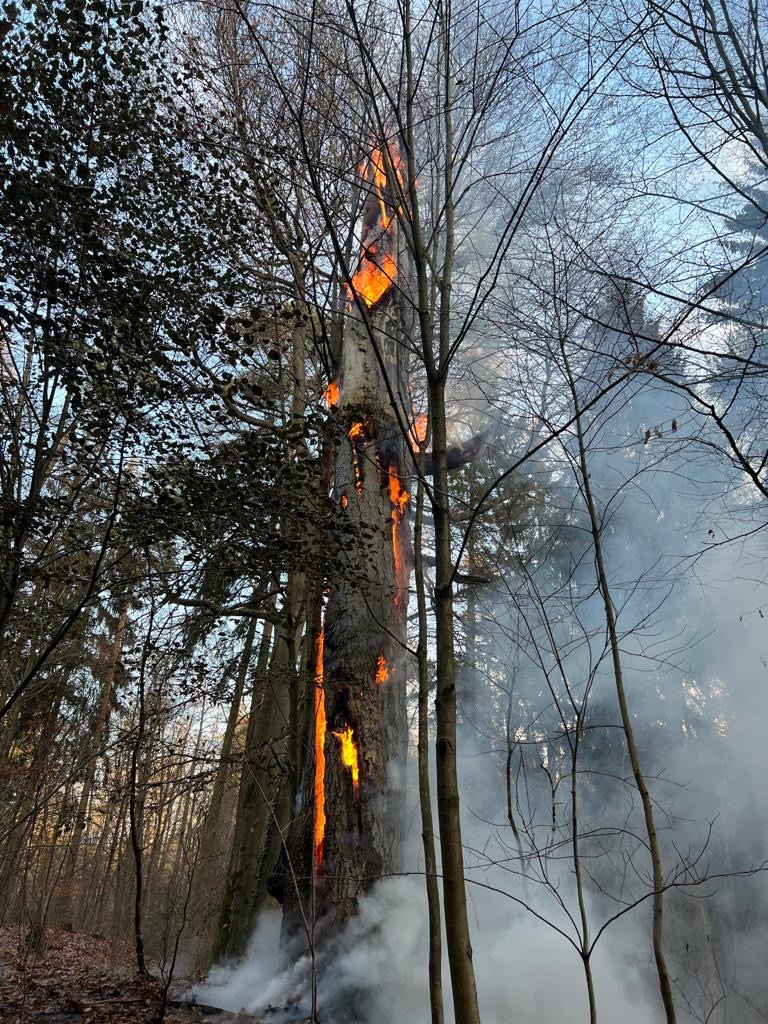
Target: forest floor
(78, 978)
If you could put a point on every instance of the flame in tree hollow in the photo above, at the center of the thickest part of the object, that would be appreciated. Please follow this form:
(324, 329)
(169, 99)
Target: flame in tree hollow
(377, 268)
(349, 756)
(320, 729)
(375, 276)
(382, 670)
(397, 495)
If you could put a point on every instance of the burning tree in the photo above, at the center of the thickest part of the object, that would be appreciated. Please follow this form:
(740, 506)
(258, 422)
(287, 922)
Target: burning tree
(352, 794)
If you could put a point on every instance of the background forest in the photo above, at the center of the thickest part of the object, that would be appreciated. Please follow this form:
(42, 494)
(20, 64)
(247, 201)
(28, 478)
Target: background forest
(383, 479)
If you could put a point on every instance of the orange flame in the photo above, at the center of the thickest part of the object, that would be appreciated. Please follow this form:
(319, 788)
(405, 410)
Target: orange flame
(377, 269)
(320, 729)
(332, 394)
(397, 495)
(349, 756)
(373, 279)
(418, 432)
(344, 501)
(382, 671)
(399, 498)
(375, 170)
(356, 435)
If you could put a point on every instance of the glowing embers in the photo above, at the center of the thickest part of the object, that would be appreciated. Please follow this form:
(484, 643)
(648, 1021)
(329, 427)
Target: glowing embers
(377, 269)
(344, 501)
(332, 394)
(320, 729)
(382, 670)
(349, 756)
(399, 499)
(357, 438)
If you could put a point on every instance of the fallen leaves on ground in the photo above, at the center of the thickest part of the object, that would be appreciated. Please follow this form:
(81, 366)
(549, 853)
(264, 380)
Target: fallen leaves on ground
(76, 978)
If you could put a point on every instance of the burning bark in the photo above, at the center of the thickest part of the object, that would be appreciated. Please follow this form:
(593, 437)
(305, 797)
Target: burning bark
(418, 429)
(357, 439)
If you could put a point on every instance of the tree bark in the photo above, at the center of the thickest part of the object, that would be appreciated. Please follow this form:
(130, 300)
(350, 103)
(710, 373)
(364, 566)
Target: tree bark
(136, 819)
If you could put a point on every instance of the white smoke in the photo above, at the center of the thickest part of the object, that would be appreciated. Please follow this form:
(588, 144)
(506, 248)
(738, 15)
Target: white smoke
(524, 969)
(254, 981)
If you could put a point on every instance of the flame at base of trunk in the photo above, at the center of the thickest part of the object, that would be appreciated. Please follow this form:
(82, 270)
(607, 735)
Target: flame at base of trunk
(349, 756)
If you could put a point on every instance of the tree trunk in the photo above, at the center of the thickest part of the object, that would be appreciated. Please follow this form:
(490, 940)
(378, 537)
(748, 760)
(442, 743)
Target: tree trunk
(665, 985)
(454, 893)
(207, 885)
(350, 830)
(425, 796)
(69, 877)
(258, 788)
(137, 795)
